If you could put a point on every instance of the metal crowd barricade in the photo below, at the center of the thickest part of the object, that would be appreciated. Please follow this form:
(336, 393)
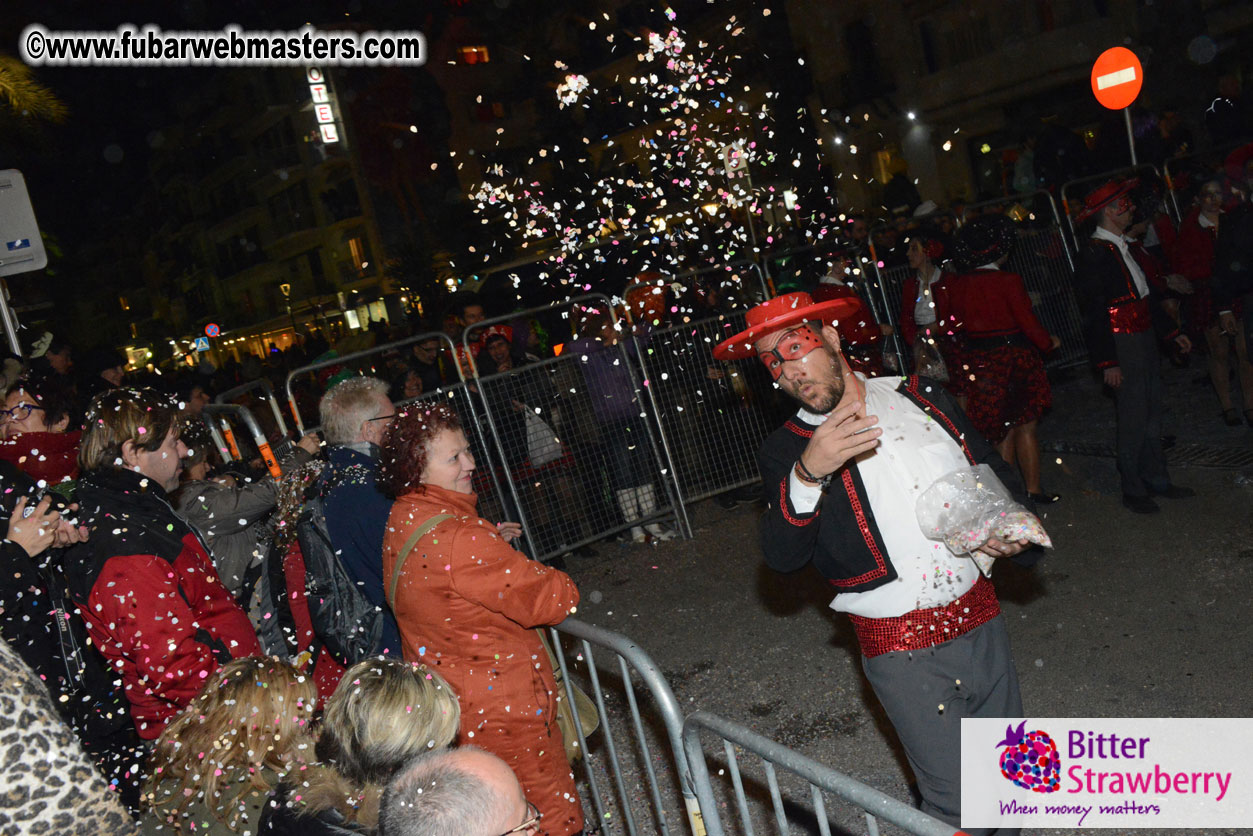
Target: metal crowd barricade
(1041, 256)
(888, 283)
(267, 395)
(621, 755)
(731, 268)
(628, 750)
(362, 362)
(226, 437)
(820, 779)
(574, 475)
(711, 417)
(493, 503)
(1074, 191)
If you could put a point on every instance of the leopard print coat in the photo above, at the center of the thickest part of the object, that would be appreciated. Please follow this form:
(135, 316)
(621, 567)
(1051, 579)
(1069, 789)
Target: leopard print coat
(47, 782)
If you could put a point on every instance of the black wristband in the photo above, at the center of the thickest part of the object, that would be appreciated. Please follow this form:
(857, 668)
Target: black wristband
(809, 477)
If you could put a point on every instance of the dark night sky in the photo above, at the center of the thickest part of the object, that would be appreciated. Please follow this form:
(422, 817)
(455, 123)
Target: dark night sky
(73, 183)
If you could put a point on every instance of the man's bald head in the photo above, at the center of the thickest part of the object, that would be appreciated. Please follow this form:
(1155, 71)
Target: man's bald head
(453, 792)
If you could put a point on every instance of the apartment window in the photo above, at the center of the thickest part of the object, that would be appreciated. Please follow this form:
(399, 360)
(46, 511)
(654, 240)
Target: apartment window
(474, 55)
(291, 210)
(360, 254)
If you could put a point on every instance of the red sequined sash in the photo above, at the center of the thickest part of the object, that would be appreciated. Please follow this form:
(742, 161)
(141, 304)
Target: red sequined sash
(926, 628)
(1130, 317)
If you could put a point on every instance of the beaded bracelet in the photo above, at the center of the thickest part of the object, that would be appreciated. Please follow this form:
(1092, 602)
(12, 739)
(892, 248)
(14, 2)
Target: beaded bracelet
(804, 475)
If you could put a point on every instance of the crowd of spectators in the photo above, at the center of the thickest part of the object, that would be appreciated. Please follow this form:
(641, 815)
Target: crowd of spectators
(158, 614)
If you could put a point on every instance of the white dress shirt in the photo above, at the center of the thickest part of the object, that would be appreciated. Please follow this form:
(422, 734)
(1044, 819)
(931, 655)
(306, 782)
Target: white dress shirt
(913, 452)
(924, 305)
(1137, 275)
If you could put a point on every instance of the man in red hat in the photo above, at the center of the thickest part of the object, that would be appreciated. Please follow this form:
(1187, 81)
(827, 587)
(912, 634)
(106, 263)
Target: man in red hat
(1120, 321)
(842, 479)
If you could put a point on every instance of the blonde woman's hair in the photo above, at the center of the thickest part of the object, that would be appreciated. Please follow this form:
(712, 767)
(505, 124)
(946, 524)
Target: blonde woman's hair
(384, 712)
(144, 416)
(242, 732)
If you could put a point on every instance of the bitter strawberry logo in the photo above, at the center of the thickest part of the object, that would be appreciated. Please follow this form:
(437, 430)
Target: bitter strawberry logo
(1030, 759)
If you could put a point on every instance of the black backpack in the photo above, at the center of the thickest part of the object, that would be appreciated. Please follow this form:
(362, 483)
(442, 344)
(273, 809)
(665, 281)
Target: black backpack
(347, 624)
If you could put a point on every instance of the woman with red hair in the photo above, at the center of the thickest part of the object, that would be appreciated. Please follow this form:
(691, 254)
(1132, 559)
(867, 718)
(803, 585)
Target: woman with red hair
(467, 605)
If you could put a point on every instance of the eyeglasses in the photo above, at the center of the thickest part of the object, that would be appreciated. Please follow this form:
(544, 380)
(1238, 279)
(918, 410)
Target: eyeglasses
(18, 413)
(534, 815)
(381, 418)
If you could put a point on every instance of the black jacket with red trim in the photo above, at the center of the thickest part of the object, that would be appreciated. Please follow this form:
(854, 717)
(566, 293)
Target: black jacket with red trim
(841, 535)
(153, 603)
(1104, 287)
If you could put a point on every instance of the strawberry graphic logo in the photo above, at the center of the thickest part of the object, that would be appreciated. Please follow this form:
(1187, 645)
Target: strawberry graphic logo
(1030, 759)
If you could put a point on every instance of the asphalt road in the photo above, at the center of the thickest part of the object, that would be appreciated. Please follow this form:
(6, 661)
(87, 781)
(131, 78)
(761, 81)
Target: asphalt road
(1129, 616)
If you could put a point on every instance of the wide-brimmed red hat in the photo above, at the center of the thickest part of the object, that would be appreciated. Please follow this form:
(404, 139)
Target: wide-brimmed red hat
(1102, 196)
(779, 314)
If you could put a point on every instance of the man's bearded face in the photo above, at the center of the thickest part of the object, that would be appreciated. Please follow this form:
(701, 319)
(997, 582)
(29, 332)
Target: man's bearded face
(804, 366)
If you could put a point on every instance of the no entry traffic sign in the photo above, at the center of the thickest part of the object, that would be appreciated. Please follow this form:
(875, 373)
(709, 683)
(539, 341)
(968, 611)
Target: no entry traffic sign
(1117, 78)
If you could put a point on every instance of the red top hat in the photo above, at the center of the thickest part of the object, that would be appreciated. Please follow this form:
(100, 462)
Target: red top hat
(779, 314)
(1103, 195)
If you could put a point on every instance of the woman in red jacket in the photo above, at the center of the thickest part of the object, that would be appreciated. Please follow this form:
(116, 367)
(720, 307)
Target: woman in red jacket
(1005, 344)
(1193, 258)
(467, 605)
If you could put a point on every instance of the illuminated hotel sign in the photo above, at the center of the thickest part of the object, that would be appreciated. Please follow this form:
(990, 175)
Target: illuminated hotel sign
(321, 94)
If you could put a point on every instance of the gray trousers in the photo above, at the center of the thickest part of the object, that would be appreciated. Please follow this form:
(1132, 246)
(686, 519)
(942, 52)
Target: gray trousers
(1141, 461)
(926, 694)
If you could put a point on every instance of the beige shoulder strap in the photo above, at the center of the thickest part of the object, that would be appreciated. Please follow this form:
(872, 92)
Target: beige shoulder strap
(420, 532)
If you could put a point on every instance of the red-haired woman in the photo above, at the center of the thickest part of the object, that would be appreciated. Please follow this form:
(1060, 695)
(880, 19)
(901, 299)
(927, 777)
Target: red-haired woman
(467, 605)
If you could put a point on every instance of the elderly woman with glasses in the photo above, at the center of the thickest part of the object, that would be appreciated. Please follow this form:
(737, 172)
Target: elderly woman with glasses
(39, 429)
(468, 604)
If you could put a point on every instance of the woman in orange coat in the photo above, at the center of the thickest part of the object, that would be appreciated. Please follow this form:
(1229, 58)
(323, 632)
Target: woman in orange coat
(467, 605)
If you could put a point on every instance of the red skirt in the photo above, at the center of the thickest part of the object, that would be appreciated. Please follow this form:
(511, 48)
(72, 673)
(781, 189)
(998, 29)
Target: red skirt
(1008, 389)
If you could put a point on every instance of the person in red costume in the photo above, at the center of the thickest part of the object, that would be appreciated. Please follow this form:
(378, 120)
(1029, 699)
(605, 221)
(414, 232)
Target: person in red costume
(1193, 258)
(1123, 323)
(926, 320)
(1005, 344)
(39, 428)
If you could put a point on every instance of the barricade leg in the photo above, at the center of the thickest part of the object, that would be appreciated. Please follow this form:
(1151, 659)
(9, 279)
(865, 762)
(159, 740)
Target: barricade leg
(625, 740)
(774, 758)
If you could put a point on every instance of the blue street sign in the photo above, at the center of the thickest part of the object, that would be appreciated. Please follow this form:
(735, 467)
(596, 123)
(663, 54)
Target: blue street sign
(202, 343)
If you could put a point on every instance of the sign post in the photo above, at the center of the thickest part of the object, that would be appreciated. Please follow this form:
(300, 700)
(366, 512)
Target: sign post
(21, 246)
(1116, 81)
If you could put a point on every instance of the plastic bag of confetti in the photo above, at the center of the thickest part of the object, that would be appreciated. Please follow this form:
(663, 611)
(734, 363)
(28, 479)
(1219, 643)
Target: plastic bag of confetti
(966, 508)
